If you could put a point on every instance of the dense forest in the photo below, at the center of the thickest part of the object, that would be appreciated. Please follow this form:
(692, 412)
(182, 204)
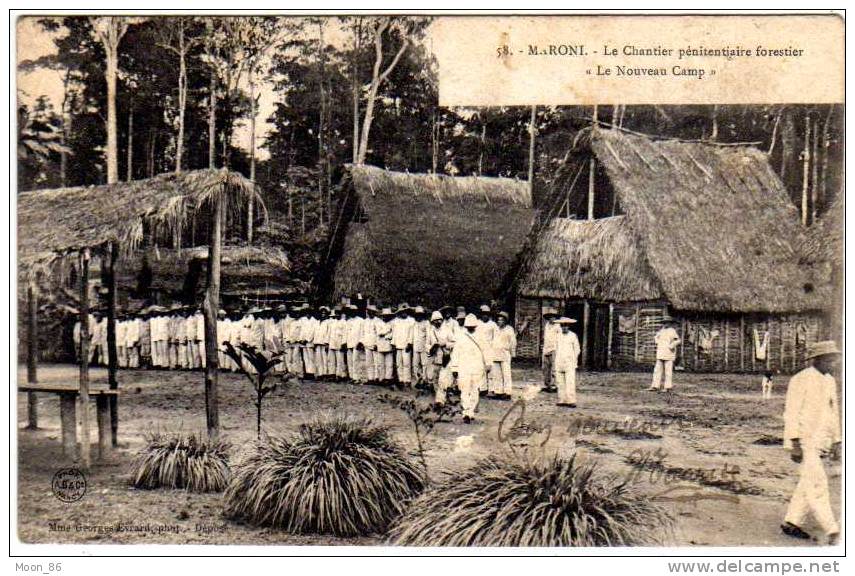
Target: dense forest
(142, 96)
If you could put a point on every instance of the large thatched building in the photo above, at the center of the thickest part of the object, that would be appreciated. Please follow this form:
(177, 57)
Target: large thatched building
(635, 228)
(425, 238)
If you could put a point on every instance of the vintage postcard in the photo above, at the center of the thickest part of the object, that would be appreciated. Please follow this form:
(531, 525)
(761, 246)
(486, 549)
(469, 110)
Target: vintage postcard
(551, 283)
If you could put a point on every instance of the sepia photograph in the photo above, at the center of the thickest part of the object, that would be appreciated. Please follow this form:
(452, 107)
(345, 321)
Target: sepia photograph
(273, 289)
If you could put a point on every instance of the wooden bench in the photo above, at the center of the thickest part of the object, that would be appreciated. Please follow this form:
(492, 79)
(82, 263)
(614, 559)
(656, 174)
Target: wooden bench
(68, 414)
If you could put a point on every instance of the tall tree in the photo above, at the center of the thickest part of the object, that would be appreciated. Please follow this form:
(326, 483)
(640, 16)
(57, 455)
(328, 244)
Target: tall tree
(109, 30)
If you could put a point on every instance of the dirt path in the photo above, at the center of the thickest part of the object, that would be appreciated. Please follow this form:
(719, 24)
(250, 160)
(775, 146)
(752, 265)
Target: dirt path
(725, 489)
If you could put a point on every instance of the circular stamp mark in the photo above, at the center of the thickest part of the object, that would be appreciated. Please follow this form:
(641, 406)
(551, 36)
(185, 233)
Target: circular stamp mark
(68, 485)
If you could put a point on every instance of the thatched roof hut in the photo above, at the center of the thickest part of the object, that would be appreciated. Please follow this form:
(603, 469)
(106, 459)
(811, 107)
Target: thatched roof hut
(427, 238)
(52, 223)
(596, 259)
(712, 223)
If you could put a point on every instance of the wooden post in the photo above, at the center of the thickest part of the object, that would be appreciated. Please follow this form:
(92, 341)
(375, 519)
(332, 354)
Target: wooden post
(112, 253)
(795, 343)
(102, 412)
(84, 359)
(32, 356)
(610, 336)
(726, 342)
(769, 345)
(210, 308)
(683, 341)
(586, 318)
(637, 326)
(68, 420)
(742, 343)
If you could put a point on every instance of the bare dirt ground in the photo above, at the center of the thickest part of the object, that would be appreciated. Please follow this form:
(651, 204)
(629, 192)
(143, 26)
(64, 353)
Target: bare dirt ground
(710, 454)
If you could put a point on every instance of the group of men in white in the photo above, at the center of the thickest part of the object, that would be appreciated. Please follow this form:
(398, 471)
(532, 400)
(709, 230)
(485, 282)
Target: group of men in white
(452, 349)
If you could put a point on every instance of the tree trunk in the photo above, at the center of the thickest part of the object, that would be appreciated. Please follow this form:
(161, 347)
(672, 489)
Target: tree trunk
(182, 98)
(84, 360)
(131, 141)
(112, 254)
(357, 44)
(481, 145)
(212, 122)
(531, 137)
(210, 308)
(250, 206)
(112, 144)
(714, 130)
(806, 171)
(32, 355)
(322, 120)
(63, 134)
(823, 176)
(814, 184)
(434, 142)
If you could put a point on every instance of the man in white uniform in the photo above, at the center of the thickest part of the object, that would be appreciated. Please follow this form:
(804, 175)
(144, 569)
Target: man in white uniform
(469, 365)
(402, 340)
(159, 337)
(132, 341)
(551, 330)
(812, 428)
(307, 342)
(353, 338)
(190, 334)
(369, 343)
(420, 325)
(504, 349)
(320, 342)
(336, 361)
(666, 340)
(121, 341)
(384, 359)
(564, 363)
(484, 333)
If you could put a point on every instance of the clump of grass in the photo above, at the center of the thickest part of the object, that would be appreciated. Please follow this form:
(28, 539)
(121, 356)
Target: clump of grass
(561, 502)
(340, 476)
(181, 461)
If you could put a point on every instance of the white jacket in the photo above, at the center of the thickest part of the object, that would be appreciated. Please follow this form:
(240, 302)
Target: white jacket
(566, 352)
(811, 413)
(467, 358)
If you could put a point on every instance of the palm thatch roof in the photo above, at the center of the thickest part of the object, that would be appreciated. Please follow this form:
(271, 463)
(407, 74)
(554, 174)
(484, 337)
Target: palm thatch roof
(593, 259)
(53, 223)
(824, 240)
(432, 239)
(712, 223)
(245, 270)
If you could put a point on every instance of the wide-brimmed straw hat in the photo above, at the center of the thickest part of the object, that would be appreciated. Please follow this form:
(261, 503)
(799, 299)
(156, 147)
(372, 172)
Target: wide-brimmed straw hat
(565, 320)
(822, 348)
(470, 322)
(436, 315)
(484, 308)
(386, 312)
(504, 315)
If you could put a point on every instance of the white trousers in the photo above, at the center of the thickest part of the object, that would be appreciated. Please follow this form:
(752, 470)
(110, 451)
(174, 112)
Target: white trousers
(404, 364)
(470, 385)
(811, 495)
(444, 381)
(384, 365)
(500, 377)
(354, 365)
(320, 352)
(370, 367)
(664, 369)
(308, 353)
(565, 380)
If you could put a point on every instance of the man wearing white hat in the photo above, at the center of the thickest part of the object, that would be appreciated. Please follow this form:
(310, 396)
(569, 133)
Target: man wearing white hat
(551, 330)
(384, 359)
(504, 349)
(434, 349)
(309, 324)
(369, 343)
(355, 356)
(812, 428)
(485, 332)
(337, 363)
(402, 340)
(565, 361)
(666, 340)
(420, 352)
(469, 365)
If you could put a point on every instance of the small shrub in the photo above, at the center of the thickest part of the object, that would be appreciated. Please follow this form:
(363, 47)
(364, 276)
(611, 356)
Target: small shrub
(339, 476)
(500, 502)
(185, 461)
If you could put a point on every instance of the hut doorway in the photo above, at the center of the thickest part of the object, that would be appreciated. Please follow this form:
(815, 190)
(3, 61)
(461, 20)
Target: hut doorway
(592, 334)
